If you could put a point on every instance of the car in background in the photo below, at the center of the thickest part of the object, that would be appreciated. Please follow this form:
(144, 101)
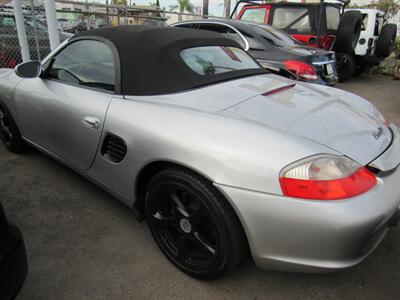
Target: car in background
(275, 49)
(377, 40)
(10, 53)
(64, 24)
(78, 27)
(13, 262)
(320, 24)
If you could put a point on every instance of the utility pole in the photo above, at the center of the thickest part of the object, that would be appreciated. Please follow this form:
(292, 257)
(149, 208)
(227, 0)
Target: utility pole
(107, 12)
(35, 30)
(52, 23)
(23, 40)
(87, 16)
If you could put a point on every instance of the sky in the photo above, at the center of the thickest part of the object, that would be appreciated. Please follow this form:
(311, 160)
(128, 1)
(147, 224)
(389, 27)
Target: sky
(215, 6)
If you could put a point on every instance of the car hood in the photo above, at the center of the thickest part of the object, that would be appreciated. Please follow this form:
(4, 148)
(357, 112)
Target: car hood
(336, 119)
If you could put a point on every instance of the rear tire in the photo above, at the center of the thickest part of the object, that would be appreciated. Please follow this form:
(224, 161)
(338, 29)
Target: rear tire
(9, 133)
(346, 66)
(386, 40)
(348, 32)
(193, 224)
(360, 69)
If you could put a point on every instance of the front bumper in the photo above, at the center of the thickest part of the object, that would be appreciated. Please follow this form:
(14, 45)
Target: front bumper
(318, 236)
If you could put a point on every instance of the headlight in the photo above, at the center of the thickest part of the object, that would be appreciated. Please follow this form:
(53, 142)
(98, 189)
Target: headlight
(326, 177)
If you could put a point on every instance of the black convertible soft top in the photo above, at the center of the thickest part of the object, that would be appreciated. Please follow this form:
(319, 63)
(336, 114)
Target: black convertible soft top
(150, 61)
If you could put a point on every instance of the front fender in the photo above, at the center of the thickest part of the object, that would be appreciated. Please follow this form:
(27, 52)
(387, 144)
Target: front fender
(8, 82)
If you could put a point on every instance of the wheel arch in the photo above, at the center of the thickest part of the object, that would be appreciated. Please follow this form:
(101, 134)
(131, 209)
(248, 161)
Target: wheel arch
(147, 172)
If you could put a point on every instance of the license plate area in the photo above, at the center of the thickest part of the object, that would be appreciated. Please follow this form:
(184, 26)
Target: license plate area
(329, 69)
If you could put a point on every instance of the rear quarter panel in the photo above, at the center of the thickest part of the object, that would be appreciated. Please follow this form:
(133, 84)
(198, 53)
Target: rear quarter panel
(225, 150)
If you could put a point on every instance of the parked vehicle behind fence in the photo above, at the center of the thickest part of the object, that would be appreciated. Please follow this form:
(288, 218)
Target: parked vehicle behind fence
(274, 49)
(376, 42)
(37, 34)
(322, 25)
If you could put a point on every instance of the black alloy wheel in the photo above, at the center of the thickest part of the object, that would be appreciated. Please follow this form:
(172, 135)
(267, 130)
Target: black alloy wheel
(9, 133)
(6, 135)
(193, 225)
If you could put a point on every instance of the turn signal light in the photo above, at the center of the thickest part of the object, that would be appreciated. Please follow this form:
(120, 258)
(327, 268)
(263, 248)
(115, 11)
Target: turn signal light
(326, 178)
(301, 69)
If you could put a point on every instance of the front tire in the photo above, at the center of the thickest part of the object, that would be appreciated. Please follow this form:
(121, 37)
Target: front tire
(193, 225)
(9, 133)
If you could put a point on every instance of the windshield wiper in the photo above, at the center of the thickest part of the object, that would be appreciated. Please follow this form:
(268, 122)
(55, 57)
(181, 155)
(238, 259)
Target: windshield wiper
(209, 69)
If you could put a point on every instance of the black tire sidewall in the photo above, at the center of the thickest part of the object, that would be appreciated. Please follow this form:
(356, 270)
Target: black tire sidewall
(210, 199)
(346, 68)
(350, 24)
(387, 38)
(17, 144)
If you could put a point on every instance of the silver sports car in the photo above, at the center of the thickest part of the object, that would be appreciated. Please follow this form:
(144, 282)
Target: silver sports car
(221, 157)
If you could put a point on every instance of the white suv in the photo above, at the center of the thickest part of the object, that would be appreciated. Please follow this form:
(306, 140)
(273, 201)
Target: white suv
(377, 39)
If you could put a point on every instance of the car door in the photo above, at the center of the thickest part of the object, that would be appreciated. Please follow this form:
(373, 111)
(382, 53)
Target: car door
(63, 111)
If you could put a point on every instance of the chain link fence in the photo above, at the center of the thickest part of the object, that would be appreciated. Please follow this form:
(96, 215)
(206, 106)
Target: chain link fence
(73, 17)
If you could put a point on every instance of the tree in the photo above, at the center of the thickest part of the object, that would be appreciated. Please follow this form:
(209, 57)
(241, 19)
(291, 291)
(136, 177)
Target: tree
(227, 8)
(392, 7)
(119, 2)
(156, 5)
(205, 7)
(182, 6)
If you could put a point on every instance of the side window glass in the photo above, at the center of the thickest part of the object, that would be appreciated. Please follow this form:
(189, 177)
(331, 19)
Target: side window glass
(376, 29)
(332, 18)
(364, 22)
(256, 15)
(294, 19)
(87, 63)
(225, 30)
(189, 25)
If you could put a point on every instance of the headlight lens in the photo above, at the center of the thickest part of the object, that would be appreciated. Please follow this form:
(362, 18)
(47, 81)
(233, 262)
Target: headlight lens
(326, 177)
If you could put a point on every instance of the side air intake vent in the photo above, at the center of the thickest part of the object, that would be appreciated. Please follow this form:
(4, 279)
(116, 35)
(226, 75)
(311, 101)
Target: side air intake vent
(113, 149)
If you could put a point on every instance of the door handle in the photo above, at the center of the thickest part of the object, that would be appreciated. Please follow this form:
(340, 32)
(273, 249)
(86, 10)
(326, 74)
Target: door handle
(92, 122)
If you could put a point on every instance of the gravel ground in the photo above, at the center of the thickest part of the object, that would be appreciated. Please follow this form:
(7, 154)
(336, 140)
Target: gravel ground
(83, 244)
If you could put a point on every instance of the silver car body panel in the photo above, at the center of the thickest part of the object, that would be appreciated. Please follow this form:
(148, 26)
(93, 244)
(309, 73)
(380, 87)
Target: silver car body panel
(53, 114)
(237, 138)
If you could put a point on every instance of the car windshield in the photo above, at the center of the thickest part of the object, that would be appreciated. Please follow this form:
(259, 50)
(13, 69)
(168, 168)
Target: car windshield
(276, 37)
(213, 60)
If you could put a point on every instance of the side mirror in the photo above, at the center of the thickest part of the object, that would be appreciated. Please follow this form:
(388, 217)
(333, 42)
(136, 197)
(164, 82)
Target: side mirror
(30, 69)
